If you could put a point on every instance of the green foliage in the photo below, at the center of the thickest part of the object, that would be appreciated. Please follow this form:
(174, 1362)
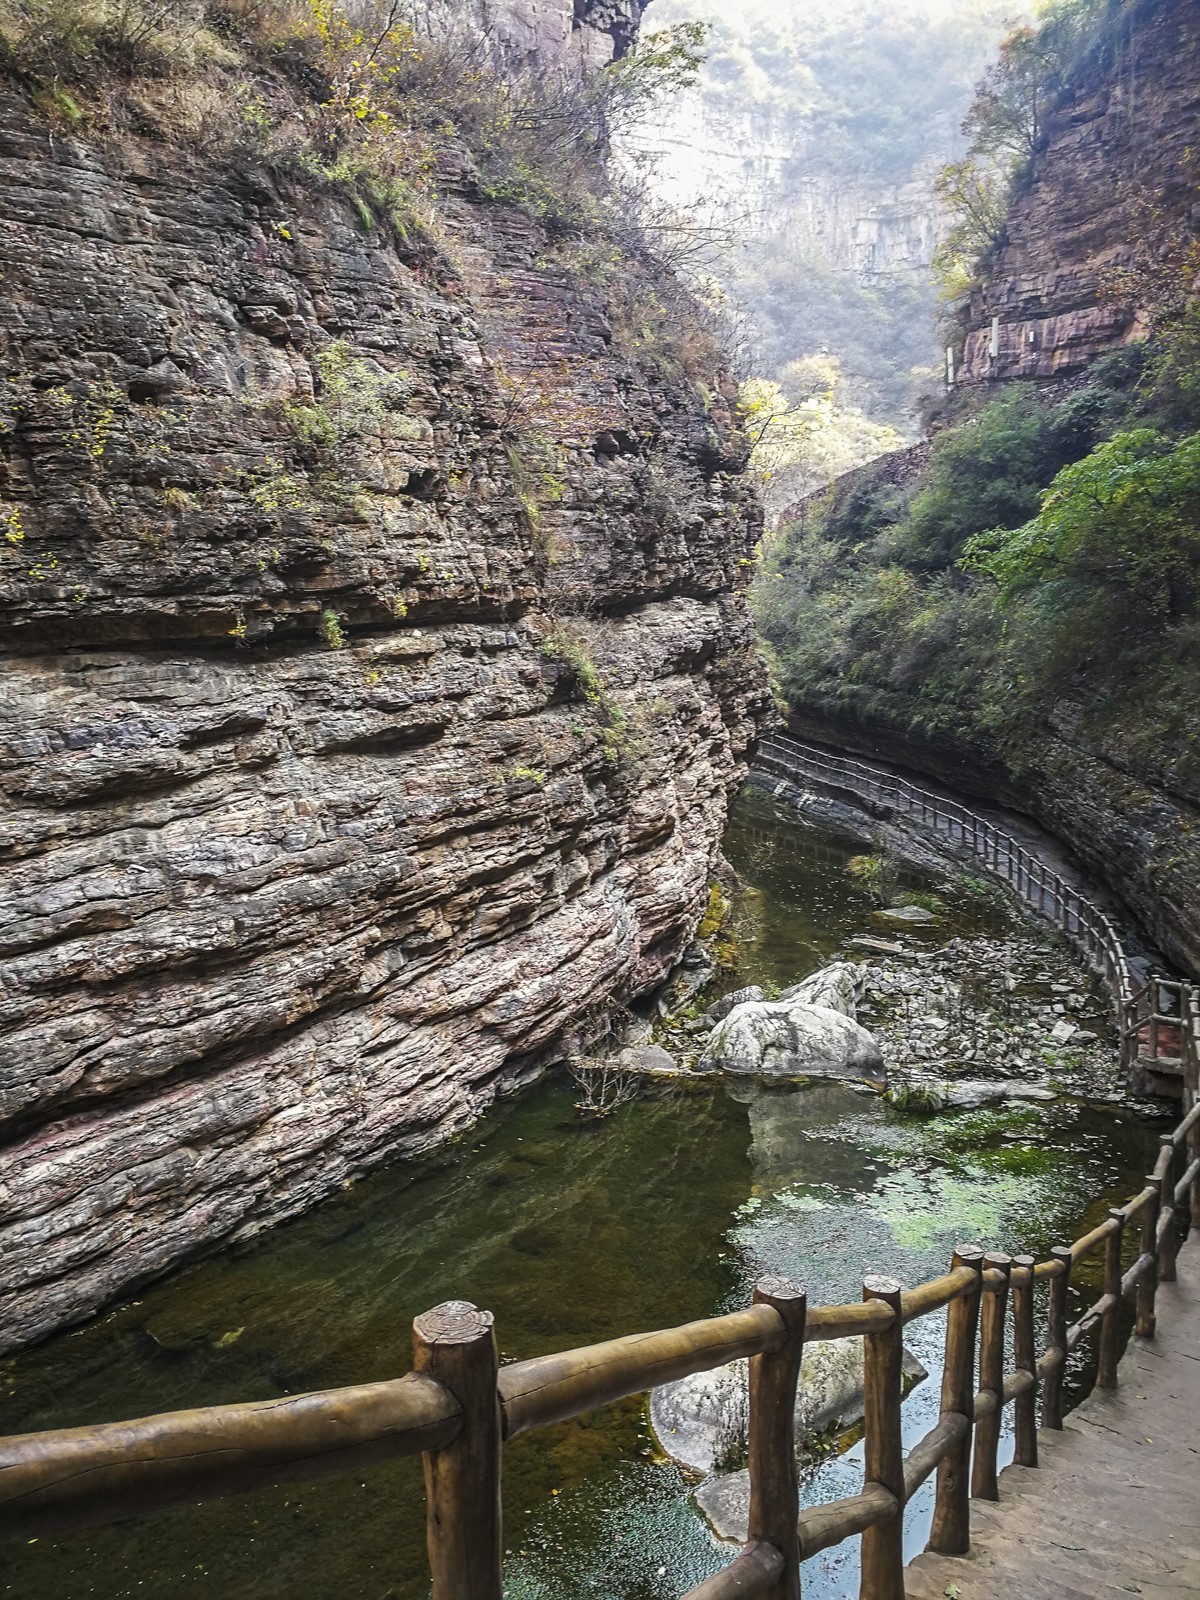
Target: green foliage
(716, 910)
(566, 645)
(1124, 521)
(1049, 551)
(877, 874)
(800, 443)
(988, 473)
(353, 401)
(330, 630)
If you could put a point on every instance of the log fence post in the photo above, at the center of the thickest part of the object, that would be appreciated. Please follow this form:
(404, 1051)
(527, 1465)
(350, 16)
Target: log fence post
(1025, 1452)
(1147, 1284)
(951, 1531)
(1166, 1208)
(1110, 1324)
(883, 1355)
(774, 1490)
(455, 1344)
(1056, 1337)
(991, 1380)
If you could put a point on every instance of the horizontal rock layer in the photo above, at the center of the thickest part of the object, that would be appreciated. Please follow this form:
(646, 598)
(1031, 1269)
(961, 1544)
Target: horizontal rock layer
(1118, 168)
(356, 751)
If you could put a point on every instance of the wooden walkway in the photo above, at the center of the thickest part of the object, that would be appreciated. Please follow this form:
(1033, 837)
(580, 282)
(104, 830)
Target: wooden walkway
(1114, 1508)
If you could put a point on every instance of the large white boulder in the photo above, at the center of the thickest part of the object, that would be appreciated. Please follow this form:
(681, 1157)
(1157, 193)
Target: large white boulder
(838, 987)
(790, 1038)
(700, 1421)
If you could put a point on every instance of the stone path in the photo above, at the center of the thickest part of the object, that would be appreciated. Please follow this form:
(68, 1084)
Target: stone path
(1114, 1508)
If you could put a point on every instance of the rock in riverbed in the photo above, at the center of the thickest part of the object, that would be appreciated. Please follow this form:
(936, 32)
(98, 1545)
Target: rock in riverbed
(810, 1032)
(700, 1420)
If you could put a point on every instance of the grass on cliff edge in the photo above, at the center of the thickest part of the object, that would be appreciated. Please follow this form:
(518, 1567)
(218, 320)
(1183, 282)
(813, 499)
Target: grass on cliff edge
(349, 91)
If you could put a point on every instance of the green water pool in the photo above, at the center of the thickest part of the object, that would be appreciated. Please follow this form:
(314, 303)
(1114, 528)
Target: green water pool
(569, 1231)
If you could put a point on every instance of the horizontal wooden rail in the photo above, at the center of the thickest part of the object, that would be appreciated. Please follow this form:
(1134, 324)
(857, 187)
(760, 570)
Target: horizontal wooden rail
(935, 1294)
(554, 1388)
(1091, 1241)
(951, 1429)
(847, 1322)
(751, 1573)
(1140, 1201)
(821, 1527)
(73, 1477)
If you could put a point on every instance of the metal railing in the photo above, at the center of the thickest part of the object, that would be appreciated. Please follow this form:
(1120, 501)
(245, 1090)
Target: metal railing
(1150, 1036)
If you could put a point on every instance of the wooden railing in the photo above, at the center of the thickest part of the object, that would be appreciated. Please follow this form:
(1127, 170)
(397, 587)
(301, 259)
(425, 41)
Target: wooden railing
(1147, 1035)
(458, 1407)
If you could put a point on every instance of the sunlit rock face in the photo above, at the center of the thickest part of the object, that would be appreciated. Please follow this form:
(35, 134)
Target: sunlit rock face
(1118, 169)
(315, 836)
(545, 34)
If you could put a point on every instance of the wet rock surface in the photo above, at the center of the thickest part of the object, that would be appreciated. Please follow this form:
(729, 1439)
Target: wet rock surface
(701, 1421)
(788, 1038)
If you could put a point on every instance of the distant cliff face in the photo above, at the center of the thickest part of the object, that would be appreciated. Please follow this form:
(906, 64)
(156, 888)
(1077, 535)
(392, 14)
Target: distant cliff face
(357, 752)
(544, 34)
(760, 170)
(1120, 158)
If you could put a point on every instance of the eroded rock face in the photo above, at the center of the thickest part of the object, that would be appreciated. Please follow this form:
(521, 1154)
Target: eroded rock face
(1119, 160)
(313, 841)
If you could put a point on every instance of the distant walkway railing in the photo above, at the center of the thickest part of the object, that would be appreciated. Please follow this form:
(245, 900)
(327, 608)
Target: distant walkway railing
(1148, 1017)
(458, 1407)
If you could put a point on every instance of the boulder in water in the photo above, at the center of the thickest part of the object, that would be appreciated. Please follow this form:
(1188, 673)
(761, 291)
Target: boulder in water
(788, 1038)
(700, 1421)
(838, 987)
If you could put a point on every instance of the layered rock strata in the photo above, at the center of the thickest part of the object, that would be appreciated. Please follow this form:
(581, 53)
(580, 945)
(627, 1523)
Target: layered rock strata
(1118, 169)
(375, 678)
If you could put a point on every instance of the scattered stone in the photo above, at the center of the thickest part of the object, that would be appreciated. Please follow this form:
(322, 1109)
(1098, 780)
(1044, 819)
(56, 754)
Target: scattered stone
(720, 1009)
(908, 914)
(887, 947)
(649, 1058)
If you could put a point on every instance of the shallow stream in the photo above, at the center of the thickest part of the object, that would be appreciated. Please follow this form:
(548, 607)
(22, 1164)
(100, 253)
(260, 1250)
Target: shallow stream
(570, 1232)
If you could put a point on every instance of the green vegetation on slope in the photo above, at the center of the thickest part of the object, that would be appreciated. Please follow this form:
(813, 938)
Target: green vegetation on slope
(1049, 552)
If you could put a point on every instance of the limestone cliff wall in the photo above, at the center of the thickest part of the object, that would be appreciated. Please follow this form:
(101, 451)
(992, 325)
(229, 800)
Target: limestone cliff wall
(1119, 164)
(354, 758)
